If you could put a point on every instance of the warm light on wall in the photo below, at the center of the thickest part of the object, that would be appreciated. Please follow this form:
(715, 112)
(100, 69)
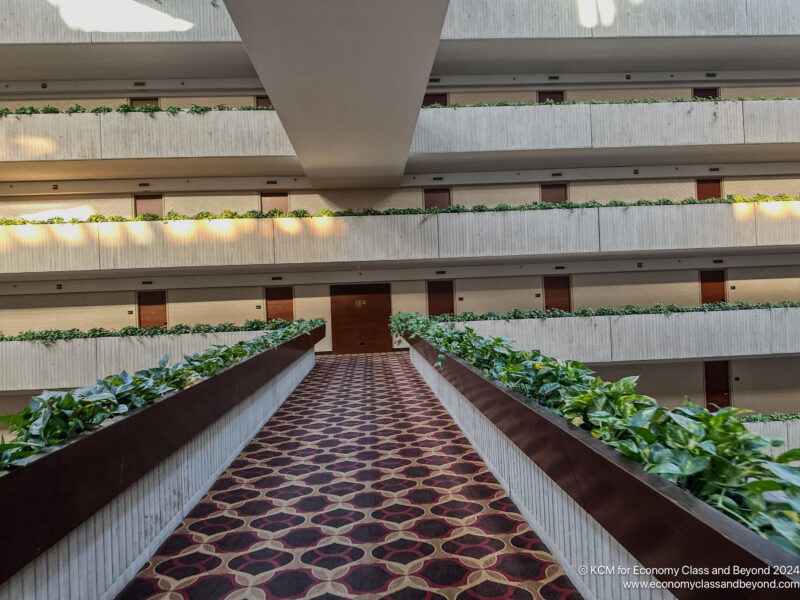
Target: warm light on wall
(117, 16)
(141, 232)
(223, 227)
(742, 211)
(180, 228)
(592, 13)
(34, 145)
(290, 225)
(70, 232)
(28, 234)
(79, 212)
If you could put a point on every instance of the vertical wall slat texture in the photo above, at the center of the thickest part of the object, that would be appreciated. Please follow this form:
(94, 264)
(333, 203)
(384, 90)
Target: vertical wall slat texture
(100, 556)
(572, 535)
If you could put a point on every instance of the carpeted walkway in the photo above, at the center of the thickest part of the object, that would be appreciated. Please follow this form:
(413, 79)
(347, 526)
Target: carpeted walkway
(360, 486)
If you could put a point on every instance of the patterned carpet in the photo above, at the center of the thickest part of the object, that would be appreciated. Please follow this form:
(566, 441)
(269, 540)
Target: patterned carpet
(360, 486)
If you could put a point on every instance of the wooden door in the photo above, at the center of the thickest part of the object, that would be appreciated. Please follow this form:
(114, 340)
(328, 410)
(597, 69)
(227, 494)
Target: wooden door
(360, 318)
(554, 193)
(280, 303)
(152, 204)
(705, 93)
(275, 200)
(152, 309)
(557, 292)
(709, 188)
(543, 97)
(263, 101)
(440, 298)
(712, 286)
(717, 384)
(429, 99)
(437, 198)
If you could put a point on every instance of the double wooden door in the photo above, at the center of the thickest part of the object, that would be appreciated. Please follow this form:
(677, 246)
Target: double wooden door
(360, 318)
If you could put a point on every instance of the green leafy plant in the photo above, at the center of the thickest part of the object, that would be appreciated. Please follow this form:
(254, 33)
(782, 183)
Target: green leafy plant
(55, 417)
(457, 208)
(710, 454)
(49, 336)
(770, 418)
(656, 309)
(75, 109)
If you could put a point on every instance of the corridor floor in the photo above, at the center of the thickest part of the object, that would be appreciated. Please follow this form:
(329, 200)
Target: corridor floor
(360, 486)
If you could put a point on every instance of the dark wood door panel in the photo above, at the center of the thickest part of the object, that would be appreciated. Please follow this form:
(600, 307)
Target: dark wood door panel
(360, 318)
(440, 298)
(437, 198)
(712, 286)
(149, 204)
(717, 384)
(557, 292)
(554, 193)
(152, 309)
(280, 303)
(709, 188)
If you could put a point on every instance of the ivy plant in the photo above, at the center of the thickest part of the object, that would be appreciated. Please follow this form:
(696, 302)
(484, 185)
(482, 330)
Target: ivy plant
(656, 309)
(710, 454)
(55, 417)
(49, 336)
(368, 212)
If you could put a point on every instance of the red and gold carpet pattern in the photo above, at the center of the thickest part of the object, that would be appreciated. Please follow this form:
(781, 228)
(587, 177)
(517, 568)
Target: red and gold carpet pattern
(360, 486)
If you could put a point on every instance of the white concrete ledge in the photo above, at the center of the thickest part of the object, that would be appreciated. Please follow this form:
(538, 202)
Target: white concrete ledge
(247, 242)
(655, 337)
(75, 363)
(786, 430)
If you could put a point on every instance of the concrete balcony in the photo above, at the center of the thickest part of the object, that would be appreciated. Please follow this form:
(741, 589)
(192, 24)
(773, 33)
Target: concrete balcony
(74, 146)
(74, 363)
(714, 335)
(405, 240)
(86, 146)
(592, 135)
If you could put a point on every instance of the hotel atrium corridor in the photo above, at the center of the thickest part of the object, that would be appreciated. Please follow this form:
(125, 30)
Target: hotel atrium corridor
(360, 486)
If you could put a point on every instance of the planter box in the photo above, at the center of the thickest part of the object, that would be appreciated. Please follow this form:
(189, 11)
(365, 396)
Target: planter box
(75, 363)
(89, 513)
(654, 337)
(588, 502)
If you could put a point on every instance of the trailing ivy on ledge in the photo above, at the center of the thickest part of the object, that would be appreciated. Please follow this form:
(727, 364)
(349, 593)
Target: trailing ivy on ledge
(770, 418)
(200, 109)
(150, 109)
(551, 102)
(711, 455)
(656, 309)
(370, 212)
(55, 417)
(48, 336)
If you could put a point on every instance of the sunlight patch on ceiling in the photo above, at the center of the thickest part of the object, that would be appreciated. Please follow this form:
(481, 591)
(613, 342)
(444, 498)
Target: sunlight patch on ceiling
(117, 16)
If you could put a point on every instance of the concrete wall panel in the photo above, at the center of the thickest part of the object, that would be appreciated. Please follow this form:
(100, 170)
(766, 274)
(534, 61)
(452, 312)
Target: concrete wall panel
(156, 244)
(215, 305)
(677, 227)
(48, 248)
(778, 223)
(354, 239)
(771, 121)
(233, 133)
(311, 302)
(498, 294)
(192, 203)
(766, 385)
(380, 199)
(502, 128)
(523, 233)
(639, 288)
(492, 195)
(631, 190)
(39, 208)
(51, 137)
(764, 284)
(666, 124)
(753, 186)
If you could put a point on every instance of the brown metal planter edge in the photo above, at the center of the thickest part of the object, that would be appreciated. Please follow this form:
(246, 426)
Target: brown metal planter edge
(62, 487)
(660, 524)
